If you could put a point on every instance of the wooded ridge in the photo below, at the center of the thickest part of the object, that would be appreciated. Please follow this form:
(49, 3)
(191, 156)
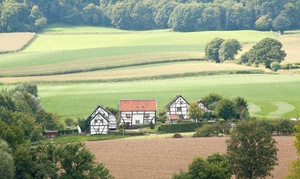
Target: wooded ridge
(179, 15)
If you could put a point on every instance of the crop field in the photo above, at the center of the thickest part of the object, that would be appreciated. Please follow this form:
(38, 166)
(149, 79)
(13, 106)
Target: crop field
(14, 41)
(161, 158)
(269, 95)
(291, 45)
(134, 72)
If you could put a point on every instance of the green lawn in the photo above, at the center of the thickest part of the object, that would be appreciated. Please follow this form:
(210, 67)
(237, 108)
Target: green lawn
(261, 90)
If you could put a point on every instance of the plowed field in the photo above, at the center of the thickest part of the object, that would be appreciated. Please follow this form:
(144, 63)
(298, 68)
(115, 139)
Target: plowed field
(160, 158)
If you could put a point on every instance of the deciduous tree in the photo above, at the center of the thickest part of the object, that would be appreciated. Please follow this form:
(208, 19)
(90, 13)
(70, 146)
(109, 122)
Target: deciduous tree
(7, 166)
(251, 150)
(212, 49)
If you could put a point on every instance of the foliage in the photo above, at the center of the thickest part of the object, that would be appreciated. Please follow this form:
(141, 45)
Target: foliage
(152, 125)
(145, 14)
(212, 100)
(69, 122)
(69, 160)
(251, 151)
(281, 23)
(228, 49)
(295, 166)
(265, 52)
(194, 111)
(215, 166)
(213, 129)
(263, 23)
(242, 108)
(275, 66)
(205, 131)
(212, 49)
(184, 127)
(7, 167)
(226, 109)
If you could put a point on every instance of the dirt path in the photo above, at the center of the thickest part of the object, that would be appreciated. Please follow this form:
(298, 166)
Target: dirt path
(160, 158)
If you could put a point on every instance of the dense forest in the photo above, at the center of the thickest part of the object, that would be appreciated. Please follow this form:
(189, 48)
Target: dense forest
(179, 15)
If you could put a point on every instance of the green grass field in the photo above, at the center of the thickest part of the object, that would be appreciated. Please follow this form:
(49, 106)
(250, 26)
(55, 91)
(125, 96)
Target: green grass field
(62, 49)
(270, 93)
(59, 49)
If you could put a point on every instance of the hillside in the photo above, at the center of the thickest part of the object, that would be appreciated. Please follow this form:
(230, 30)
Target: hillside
(77, 68)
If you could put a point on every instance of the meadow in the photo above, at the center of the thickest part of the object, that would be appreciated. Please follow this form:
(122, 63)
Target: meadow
(269, 95)
(77, 68)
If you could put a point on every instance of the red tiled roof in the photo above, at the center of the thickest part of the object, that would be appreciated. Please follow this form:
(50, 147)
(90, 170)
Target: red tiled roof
(174, 116)
(138, 105)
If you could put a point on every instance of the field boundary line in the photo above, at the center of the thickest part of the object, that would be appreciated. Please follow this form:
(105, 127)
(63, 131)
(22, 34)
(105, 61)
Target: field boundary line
(157, 77)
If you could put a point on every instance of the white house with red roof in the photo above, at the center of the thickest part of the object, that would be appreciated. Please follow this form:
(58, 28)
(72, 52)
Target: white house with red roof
(177, 110)
(137, 112)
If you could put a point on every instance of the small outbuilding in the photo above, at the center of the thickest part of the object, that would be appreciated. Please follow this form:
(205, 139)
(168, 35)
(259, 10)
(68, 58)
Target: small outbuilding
(50, 134)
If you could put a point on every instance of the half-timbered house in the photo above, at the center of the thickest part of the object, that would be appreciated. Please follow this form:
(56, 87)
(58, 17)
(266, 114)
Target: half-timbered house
(101, 121)
(177, 109)
(203, 107)
(137, 112)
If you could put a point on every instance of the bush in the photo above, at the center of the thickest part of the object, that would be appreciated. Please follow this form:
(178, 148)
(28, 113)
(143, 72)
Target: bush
(177, 135)
(205, 131)
(151, 125)
(275, 66)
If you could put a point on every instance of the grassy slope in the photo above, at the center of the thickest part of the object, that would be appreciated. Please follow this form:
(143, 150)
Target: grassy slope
(81, 99)
(64, 48)
(60, 52)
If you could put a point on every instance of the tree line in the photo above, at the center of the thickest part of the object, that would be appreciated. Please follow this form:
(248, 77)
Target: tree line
(179, 15)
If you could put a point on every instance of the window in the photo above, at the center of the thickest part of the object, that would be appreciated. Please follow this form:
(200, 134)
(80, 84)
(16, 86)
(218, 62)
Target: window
(146, 121)
(95, 121)
(127, 115)
(147, 115)
(137, 121)
(178, 109)
(101, 121)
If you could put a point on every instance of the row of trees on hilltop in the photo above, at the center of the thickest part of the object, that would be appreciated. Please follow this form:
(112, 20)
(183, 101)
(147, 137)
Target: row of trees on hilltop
(267, 52)
(180, 15)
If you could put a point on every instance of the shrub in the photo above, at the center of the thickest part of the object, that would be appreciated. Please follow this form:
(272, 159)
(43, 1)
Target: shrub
(205, 131)
(177, 135)
(275, 66)
(173, 128)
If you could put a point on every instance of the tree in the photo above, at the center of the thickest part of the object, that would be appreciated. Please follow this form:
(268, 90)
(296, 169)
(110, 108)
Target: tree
(251, 150)
(226, 109)
(194, 111)
(7, 167)
(295, 167)
(281, 23)
(78, 162)
(263, 23)
(69, 122)
(228, 49)
(265, 52)
(215, 166)
(212, 49)
(242, 107)
(212, 100)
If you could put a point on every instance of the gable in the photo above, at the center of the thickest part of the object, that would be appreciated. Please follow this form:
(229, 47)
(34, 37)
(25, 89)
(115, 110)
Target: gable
(177, 101)
(137, 105)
